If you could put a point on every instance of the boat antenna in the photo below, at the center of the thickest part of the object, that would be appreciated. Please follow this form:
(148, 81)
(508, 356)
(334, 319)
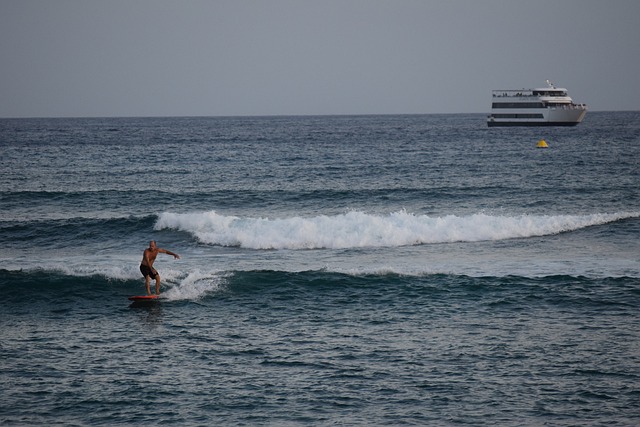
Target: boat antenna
(551, 85)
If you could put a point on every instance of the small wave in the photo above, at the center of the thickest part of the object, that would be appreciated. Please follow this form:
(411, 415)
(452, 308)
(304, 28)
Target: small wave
(59, 290)
(358, 229)
(97, 282)
(196, 285)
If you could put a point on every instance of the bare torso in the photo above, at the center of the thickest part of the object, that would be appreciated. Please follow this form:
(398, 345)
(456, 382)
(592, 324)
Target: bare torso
(149, 256)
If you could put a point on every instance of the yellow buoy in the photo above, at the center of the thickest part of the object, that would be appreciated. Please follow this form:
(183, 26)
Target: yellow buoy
(542, 144)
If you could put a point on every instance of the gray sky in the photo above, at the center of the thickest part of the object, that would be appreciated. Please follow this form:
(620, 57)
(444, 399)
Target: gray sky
(273, 57)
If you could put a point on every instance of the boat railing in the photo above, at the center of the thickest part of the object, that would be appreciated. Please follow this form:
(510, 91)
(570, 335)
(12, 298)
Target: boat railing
(513, 94)
(571, 106)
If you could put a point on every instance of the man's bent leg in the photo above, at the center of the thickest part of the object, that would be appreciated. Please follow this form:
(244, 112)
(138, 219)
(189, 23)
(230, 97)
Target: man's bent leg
(157, 284)
(147, 282)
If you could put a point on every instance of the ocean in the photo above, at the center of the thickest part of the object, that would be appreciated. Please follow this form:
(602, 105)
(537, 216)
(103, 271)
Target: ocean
(334, 270)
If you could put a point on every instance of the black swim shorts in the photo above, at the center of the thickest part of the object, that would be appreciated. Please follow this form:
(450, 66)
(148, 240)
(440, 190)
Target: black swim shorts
(147, 271)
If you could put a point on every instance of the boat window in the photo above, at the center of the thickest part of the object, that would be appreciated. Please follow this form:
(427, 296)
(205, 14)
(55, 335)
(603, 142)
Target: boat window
(517, 116)
(517, 105)
(549, 93)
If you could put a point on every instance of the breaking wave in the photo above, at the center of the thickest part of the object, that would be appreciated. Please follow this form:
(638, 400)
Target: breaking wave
(358, 229)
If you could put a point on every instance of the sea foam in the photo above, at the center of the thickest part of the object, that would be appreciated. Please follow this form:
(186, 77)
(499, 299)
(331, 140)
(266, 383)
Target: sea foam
(358, 229)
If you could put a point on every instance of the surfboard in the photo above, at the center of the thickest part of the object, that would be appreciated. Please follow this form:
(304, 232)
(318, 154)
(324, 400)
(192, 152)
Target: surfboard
(144, 298)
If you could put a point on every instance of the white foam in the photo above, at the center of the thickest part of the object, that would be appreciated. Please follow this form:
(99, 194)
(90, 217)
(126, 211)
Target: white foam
(79, 267)
(358, 229)
(176, 284)
(194, 286)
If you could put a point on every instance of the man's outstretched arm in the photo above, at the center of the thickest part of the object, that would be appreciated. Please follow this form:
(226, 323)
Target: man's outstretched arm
(173, 254)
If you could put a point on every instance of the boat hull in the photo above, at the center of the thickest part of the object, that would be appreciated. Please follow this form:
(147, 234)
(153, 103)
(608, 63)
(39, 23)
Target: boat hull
(570, 116)
(529, 123)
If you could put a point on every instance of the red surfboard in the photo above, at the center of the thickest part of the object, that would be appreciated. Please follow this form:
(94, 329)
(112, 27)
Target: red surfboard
(144, 298)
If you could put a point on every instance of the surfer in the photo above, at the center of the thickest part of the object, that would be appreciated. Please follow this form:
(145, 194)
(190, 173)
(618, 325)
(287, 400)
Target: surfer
(146, 266)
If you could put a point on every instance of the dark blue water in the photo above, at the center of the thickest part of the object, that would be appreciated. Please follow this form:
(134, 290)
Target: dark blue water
(349, 270)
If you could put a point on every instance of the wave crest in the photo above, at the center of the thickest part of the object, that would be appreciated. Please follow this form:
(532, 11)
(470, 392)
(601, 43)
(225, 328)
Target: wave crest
(358, 229)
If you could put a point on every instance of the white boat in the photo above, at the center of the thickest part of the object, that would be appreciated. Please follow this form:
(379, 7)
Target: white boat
(550, 106)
